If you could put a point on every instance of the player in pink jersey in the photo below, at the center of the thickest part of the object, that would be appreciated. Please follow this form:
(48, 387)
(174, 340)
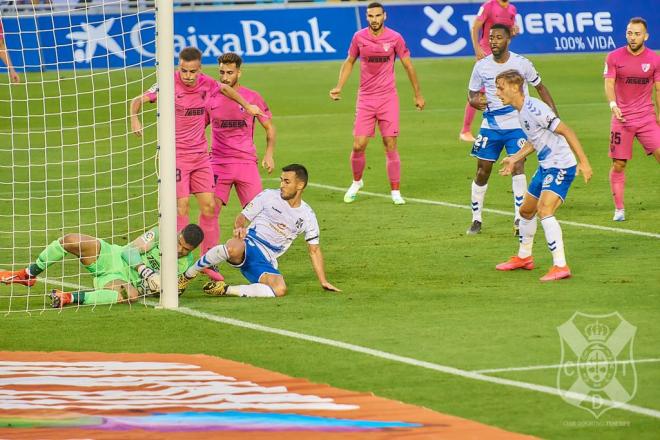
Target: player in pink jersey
(377, 47)
(233, 152)
(631, 74)
(194, 174)
(491, 12)
(4, 56)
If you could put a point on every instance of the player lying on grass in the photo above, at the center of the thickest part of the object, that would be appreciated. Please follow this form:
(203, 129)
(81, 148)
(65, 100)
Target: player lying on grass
(276, 218)
(120, 272)
(556, 146)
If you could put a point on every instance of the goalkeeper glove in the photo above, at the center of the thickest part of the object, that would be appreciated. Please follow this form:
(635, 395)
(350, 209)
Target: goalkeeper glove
(183, 282)
(150, 277)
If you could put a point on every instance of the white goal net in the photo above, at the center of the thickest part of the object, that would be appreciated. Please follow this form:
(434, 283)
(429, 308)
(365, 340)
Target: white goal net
(69, 163)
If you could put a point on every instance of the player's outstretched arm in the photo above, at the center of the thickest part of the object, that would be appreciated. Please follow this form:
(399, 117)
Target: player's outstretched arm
(509, 162)
(232, 94)
(136, 105)
(268, 162)
(344, 73)
(4, 56)
(583, 163)
(412, 76)
(316, 256)
(546, 97)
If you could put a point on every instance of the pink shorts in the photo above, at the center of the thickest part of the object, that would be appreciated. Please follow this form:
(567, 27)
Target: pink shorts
(384, 110)
(193, 174)
(646, 130)
(244, 176)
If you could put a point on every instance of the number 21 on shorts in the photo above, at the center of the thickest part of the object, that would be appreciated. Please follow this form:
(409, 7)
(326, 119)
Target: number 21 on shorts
(480, 142)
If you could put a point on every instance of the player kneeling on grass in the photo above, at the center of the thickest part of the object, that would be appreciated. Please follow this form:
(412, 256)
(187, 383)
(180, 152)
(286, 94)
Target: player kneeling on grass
(121, 273)
(276, 218)
(555, 144)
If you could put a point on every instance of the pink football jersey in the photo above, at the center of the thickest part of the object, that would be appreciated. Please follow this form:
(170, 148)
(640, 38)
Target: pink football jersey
(635, 78)
(233, 127)
(377, 56)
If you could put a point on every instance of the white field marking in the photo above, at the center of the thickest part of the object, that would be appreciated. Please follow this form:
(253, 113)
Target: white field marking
(493, 211)
(552, 367)
(393, 357)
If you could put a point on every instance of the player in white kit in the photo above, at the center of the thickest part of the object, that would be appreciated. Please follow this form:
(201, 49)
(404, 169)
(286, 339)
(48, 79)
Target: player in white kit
(556, 146)
(275, 219)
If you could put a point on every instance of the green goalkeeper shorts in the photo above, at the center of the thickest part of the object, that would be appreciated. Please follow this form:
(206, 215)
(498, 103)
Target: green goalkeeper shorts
(109, 266)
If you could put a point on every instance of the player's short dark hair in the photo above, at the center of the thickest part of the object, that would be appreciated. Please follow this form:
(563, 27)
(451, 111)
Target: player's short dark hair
(511, 76)
(192, 234)
(505, 28)
(230, 58)
(375, 5)
(301, 171)
(190, 54)
(639, 20)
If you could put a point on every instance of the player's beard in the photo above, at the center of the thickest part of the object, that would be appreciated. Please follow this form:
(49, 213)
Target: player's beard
(634, 48)
(376, 26)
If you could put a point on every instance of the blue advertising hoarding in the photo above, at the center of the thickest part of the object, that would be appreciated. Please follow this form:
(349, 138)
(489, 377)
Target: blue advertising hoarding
(311, 34)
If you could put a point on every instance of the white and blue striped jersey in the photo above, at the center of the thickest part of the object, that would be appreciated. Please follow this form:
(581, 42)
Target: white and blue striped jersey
(539, 123)
(497, 115)
(274, 224)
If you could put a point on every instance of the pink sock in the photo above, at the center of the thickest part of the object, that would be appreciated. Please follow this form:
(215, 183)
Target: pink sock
(617, 184)
(468, 118)
(181, 222)
(393, 164)
(211, 228)
(358, 162)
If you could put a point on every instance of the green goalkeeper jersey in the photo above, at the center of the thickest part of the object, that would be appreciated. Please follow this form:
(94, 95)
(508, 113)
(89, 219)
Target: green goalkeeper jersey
(151, 257)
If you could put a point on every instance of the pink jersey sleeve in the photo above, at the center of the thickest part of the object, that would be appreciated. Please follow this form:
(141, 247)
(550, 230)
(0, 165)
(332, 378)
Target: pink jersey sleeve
(484, 12)
(354, 50)
(610, 66)
(401, 49)
(266, 114)
(152, 93)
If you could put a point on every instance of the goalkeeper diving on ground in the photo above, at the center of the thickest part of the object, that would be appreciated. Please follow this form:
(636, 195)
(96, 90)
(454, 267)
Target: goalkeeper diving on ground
(121, 273)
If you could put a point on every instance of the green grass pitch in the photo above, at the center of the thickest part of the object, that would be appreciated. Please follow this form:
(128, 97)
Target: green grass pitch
(413, 283)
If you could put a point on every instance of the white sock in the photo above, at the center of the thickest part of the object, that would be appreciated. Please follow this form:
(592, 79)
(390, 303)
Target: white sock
(519, 186)
(355, 186)
(478, 195)
(215, 255)
(527, 232)
(396, 194)
(555, 241)
(256, 290)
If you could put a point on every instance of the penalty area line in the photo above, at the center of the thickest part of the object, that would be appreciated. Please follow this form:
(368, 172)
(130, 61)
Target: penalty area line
(492, 211)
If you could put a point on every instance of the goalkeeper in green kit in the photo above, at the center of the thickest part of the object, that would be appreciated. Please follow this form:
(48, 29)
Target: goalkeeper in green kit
(121, 273)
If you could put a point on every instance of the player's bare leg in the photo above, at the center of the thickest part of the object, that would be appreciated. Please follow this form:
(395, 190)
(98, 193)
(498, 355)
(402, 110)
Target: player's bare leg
(393, 165)
(479, 188)
(617, 185)
(358, 162)
(182, 212)
(519, 187)
(524, 259)
(208, 221)
(82, 246)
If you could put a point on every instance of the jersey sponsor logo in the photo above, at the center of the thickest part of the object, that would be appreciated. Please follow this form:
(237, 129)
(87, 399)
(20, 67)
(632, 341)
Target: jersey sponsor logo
(378, 59)
(196, 111)
(637, 80)
(233, 123)
(153, 262)
(646, 67)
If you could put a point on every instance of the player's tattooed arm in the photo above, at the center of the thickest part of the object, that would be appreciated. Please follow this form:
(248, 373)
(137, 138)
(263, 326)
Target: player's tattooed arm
(546, 97)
